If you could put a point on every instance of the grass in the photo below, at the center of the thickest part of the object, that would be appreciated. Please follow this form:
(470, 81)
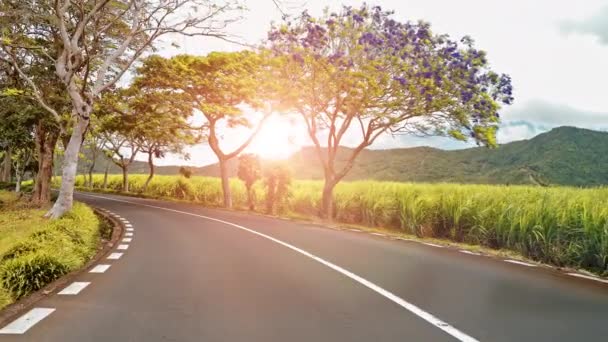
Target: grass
(562, 226)
(35, 251)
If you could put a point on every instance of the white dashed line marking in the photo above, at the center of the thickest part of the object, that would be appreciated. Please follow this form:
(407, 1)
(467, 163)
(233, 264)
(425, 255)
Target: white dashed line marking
(114, 256)
(378, 234)
(432, 244)
(130, 229)
(517, 262)
(25, 322)
(355, 230)
(74, 288)
(122, 247)
(128, 239)
(588, 277)
(99, 269)
(436, 322)
(129, 234)
(469, 252)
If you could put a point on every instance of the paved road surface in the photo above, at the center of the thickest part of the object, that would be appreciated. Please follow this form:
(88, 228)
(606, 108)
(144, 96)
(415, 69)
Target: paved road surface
(188, 277)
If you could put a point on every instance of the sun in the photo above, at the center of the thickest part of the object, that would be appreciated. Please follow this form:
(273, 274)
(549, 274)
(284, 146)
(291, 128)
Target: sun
(279, 138)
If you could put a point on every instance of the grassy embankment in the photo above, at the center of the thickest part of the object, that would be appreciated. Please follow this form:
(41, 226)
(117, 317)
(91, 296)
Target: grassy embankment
(35, 251)
(560, 226)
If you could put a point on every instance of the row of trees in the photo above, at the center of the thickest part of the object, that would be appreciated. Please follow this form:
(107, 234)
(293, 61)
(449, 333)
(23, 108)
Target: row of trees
(355, 72)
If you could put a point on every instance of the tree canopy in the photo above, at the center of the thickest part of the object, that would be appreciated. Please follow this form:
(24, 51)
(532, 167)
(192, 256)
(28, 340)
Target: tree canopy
(360, 70)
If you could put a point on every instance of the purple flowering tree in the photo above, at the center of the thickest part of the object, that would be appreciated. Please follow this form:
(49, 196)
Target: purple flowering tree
(360, 72)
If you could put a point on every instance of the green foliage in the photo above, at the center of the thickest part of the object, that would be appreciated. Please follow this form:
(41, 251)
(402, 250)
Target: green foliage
(34, 251)
(30, 273)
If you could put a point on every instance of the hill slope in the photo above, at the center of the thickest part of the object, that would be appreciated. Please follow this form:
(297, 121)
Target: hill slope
(565, 156)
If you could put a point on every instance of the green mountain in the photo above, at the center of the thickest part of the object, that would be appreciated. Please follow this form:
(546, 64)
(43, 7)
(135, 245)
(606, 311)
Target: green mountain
(563, 156)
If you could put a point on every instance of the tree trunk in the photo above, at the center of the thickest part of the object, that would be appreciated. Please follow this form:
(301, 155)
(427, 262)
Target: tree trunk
(19, 175)
(91, 176)
(70, 165)
(5, 175)
(125, 179)
(105, 176)
(151, 167)
(250, 198)
(225, 184)
(327, 210)
(45, 149)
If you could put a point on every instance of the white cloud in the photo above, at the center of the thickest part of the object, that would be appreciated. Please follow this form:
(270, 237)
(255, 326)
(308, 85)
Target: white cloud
(595, 25)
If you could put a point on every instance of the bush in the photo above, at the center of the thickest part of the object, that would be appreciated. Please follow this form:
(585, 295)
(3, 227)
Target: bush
(30, 272)
(51, 250)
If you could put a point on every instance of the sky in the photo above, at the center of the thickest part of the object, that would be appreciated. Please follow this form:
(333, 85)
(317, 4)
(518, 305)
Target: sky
(556, 52)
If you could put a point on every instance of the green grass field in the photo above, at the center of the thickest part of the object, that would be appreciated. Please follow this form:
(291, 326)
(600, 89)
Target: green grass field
(560, 226)
(35, 251)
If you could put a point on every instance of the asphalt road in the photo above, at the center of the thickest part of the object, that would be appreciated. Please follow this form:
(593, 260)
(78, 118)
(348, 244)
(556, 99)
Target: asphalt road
(190, 275)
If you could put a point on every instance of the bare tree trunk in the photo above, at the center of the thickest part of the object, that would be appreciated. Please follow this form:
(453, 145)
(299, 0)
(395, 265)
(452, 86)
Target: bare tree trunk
(151, 167)
(125, 179)
(105, 176)
(327, 201)
(225, 184)
(19, 175)
(45, 150)
(250, 198)
(5, 175)
(91, 175)
(70, 165)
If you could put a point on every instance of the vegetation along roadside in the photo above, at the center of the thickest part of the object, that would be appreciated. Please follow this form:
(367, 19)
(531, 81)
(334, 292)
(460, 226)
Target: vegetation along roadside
(35, 251)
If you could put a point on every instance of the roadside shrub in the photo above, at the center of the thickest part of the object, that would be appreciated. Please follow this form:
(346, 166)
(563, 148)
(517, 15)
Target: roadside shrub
(49, 251)
(31, 272)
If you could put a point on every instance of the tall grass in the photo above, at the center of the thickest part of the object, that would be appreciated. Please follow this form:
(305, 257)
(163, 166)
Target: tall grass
(562, 226)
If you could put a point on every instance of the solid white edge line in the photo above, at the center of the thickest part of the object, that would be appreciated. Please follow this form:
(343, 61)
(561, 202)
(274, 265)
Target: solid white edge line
(127, 239)
(469, 252)
(378, 234)
(588, 277)
(122, 247)
(447, 328)
(99, 269)
(74, 288)
(114, 256)
(517, 262)
(25, 322)
(431, 244)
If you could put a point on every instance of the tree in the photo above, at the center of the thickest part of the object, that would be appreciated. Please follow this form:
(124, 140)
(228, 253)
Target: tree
(22, 115)
(249, 172)
(161, 125)
(218, 85)
(278, 179)
(361, 73)
(120, 143)
(94, 142)
(91, 45)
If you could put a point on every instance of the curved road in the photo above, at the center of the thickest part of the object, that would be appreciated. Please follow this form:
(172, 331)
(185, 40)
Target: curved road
(196, 274)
